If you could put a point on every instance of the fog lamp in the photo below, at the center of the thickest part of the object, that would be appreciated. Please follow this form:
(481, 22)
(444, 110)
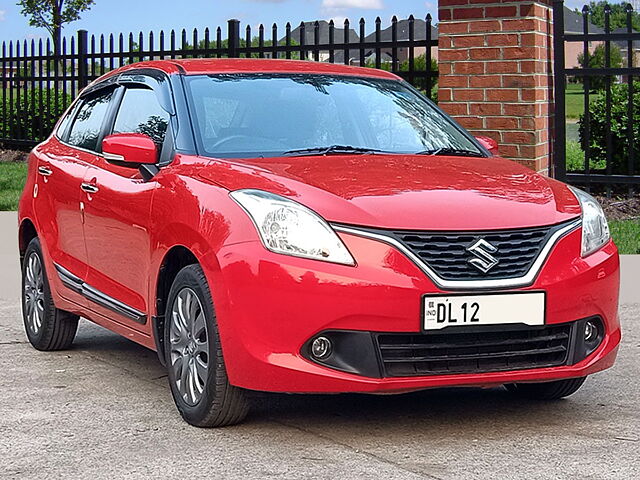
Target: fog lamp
(321, 348)
(590, 332)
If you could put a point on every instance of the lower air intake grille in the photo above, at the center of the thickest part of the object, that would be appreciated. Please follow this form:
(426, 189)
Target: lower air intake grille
(462, 351)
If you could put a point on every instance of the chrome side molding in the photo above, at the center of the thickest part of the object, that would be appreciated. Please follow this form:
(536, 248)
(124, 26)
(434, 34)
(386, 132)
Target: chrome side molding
(76, 284)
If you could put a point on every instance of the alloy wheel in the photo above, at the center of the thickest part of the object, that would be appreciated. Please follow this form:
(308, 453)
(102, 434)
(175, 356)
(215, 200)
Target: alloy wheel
(34, 293)
(189, 346)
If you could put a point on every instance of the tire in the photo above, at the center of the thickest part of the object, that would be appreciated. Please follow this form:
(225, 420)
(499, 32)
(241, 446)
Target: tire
(547, 390)
(48, 328)
(202, 395)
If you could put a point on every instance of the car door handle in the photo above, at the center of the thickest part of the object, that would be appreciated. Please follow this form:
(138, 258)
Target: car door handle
(45, 171)
(89, 188)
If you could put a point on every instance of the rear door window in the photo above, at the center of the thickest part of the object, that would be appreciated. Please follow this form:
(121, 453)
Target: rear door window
(87, 125)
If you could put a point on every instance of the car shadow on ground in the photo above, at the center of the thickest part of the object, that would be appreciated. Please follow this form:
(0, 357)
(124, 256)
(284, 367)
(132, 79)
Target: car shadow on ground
(438, 408)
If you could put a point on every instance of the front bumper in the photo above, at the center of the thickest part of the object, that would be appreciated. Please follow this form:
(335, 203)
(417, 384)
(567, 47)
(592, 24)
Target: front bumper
(269, 306)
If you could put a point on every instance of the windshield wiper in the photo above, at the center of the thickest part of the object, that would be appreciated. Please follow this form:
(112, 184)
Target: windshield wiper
(336, 149)
(455, 152)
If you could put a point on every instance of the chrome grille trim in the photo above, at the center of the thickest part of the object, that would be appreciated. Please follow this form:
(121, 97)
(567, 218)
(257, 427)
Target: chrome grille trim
(522, 281)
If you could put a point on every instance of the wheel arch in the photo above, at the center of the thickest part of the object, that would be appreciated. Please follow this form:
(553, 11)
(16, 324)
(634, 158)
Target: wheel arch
(26, 232)
(176, 258)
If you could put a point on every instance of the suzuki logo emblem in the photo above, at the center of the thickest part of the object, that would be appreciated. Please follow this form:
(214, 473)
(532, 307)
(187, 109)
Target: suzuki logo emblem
(482, 250)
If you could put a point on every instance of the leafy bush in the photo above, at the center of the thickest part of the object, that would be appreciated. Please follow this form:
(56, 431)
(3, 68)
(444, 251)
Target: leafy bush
(575, 158)
(24, 122)
(619, 135)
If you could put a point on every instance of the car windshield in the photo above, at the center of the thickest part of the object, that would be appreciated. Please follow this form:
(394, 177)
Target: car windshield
(261, 115)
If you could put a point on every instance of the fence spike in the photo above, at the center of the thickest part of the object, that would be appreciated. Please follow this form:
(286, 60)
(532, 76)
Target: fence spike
(274, 40)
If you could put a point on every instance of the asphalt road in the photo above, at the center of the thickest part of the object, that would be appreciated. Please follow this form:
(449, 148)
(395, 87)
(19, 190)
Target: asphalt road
(103, 410)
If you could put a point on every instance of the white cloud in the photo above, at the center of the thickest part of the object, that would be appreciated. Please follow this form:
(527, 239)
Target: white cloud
(2, 12)
(364, 4)
(338, 20)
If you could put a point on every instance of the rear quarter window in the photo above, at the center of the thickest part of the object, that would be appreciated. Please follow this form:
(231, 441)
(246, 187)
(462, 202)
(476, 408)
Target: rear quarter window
(87, 125)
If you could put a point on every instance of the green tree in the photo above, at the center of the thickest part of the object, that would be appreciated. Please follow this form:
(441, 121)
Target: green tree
(53, 14)
(597, 59)
(618, 18)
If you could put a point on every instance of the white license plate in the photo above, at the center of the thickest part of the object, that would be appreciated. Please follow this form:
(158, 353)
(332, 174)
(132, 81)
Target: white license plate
(441, 311)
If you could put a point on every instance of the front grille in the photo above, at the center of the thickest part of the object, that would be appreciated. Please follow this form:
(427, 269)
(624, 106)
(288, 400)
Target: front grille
(461, 351)
(446, 253)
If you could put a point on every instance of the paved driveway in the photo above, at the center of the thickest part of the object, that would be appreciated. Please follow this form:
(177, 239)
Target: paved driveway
(103, 410)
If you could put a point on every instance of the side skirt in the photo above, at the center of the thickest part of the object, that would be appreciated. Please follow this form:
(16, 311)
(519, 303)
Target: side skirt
(76, 284)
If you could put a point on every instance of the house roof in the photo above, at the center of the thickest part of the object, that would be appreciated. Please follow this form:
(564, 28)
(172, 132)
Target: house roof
(310, 34)
(419, 31)
(574, 23)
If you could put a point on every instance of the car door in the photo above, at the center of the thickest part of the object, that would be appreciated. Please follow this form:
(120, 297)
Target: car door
(62, 165)
(117, 216)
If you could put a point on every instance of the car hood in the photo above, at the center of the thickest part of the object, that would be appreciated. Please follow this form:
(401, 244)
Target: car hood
(415, 192)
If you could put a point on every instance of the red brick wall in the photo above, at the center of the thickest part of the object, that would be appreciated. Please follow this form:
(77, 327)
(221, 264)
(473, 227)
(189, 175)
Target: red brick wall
(495, 73)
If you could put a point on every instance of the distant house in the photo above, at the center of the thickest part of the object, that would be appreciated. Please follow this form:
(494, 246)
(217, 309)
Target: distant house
(402, 31)
(323, 39)
(623, 45)
(10, 71)
(574, 24)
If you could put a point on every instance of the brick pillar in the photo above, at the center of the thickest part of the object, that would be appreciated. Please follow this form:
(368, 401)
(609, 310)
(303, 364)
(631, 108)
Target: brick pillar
(495, 60)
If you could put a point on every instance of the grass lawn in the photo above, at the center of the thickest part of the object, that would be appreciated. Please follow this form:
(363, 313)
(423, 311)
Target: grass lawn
(12, 178)
(626, 234)
(574, 100)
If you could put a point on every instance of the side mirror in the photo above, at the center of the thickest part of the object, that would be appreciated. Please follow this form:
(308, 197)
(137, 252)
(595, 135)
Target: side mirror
(490, 144)
(131, 150)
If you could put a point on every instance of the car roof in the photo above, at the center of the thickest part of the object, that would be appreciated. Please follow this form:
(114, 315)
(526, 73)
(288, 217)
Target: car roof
(212, 66)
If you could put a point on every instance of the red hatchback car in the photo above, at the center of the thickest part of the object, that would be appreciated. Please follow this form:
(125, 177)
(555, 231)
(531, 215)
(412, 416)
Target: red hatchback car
(303, 227)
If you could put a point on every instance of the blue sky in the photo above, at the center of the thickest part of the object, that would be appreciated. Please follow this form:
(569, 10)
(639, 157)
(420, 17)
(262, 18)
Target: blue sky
(109, 16)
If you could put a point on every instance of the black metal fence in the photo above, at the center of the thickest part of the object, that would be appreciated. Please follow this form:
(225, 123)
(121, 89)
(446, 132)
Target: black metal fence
(37, 84)
(608, 130)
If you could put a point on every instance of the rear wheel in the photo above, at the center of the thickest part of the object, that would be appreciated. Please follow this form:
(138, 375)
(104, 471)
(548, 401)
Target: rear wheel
(48, 328)
(547, 390)
(196, 368)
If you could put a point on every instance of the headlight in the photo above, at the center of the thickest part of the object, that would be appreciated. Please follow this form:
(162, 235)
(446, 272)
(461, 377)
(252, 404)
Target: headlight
(595, 229)
(290, 228)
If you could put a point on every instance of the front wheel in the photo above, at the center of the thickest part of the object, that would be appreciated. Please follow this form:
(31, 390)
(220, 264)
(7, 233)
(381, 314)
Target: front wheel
(547, 390)
(196, 368)
(48, 328)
